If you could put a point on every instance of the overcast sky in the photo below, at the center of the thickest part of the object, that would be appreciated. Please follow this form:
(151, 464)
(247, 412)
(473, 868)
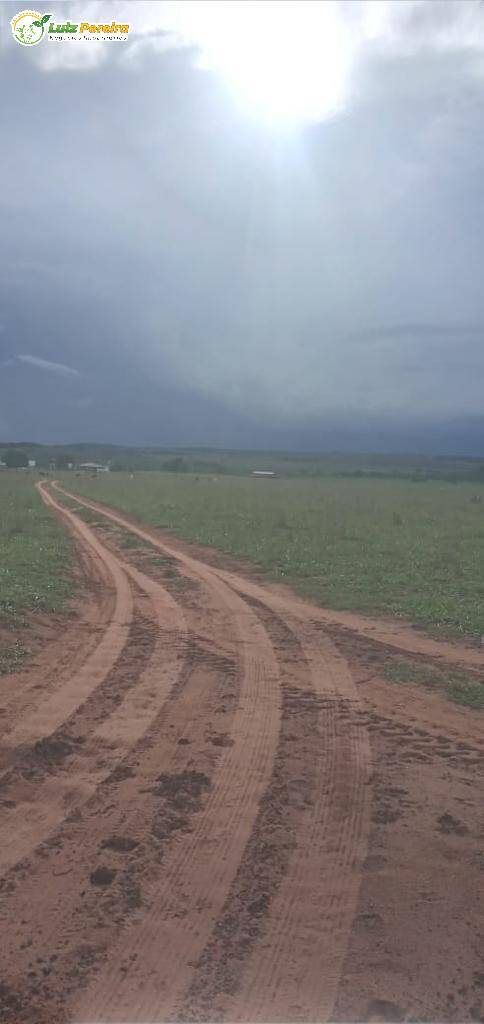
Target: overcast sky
(245, 228)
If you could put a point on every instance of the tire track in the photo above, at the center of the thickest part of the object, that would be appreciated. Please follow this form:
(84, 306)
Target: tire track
(295, 972)
(198, 871)
(278, 949)
(74, 769)
(75, 690)
(74, 920)
(218, 974)
(121, 809)
(326, 860)
(64, 653)
(58, 773)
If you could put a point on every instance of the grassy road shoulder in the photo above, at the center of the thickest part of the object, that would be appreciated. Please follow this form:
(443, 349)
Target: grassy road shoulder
(35, 563)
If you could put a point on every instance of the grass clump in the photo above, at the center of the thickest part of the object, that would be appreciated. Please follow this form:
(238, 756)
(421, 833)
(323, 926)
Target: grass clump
(411, 672)
(132, 540)
(88, 515)
(466, 691)
(11, 657)
(456, 685)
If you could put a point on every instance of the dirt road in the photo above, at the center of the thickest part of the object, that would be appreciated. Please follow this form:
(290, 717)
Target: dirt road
(213, 808)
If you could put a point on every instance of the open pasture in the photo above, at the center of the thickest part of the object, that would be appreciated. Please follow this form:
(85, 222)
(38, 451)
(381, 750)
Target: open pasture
(392, 547)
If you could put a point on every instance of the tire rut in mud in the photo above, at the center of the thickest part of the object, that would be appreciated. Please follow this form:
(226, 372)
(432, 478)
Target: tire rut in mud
(197, 874)
(343, 776)
(51, 778)
(242, 786)
(99, 858)
(293, 972)
(67, 650)
(265, 860)
(47, 754)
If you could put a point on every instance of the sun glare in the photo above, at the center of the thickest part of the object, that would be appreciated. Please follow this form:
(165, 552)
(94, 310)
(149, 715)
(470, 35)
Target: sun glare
(286, 60)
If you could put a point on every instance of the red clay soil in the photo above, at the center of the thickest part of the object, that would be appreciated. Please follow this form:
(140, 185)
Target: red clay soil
(219, 811)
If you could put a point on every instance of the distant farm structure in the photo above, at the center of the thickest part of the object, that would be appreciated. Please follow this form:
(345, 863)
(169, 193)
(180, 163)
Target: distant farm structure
(92, 467)
(263, 472)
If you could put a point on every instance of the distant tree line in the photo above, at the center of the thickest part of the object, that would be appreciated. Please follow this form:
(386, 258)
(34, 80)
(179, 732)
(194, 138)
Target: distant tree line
(15, 458)
(332, 465)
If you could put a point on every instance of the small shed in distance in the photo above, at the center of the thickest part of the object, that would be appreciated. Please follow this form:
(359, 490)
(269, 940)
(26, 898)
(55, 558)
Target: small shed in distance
(263, 472)
(93, 467)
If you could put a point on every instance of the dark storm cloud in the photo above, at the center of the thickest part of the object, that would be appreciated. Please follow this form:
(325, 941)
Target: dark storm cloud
(201, 277)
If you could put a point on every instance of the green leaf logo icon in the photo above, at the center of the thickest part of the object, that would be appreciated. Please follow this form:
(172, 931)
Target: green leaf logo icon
(28, 27)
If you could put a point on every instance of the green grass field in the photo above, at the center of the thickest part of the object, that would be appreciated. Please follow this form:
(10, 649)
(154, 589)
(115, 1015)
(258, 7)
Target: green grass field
(392, 547)
(35, 554)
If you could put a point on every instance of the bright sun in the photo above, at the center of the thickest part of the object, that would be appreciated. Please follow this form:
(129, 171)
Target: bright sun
(287, 60)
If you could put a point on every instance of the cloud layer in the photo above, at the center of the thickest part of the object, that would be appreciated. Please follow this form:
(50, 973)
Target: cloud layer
(181, 270)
